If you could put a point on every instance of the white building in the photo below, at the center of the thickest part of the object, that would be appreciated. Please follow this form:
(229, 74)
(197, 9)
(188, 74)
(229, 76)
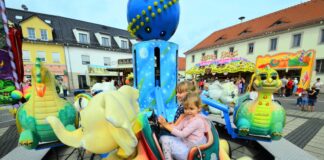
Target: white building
(291, 30)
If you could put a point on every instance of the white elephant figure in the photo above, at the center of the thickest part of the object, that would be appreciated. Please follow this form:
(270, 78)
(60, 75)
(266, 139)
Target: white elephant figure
(108, 124)
(226, 93)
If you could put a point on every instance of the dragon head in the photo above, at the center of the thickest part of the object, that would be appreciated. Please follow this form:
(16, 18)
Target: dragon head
(266, 80)
(41, 78)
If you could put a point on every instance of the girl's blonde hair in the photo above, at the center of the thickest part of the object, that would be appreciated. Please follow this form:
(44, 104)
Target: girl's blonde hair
(186, 86)
(192, 98)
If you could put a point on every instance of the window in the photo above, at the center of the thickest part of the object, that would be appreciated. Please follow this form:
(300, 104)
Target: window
(124, 44)
(83, 38)
(251, 48)
(41, 55)
(296, 40)
(319, 66)
(31, 33)
(105, 41)
(322, 36)
(273, 44)
(107, 61)
(26, 56)
(44, 34)
(193, 58)
(85, 59)
(215, 53)
(56, 57)
(203, 54)
(231, 49)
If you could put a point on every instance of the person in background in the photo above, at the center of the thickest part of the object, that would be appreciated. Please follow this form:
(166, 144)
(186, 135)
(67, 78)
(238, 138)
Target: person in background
(289, 87)
(205, 91)
(318, 85)
(304, 100)
(312, 97)
(243, 85)
(284, 82)
(65, 89)
(295, 86)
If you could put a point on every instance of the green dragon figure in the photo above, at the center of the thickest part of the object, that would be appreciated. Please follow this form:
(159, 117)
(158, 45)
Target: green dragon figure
(262, 116)
(44, 101)
(6, 87)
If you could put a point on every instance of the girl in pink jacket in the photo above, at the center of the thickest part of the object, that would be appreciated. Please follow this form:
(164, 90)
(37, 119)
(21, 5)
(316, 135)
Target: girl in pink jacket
(190, 132)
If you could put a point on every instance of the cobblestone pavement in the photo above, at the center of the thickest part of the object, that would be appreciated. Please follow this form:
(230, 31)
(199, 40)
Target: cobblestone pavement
(304, 129)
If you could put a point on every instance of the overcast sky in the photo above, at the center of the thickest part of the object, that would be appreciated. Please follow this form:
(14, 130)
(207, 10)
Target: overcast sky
(198, 18)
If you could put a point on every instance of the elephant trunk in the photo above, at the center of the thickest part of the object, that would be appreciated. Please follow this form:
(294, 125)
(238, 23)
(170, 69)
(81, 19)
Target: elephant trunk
(70, 138)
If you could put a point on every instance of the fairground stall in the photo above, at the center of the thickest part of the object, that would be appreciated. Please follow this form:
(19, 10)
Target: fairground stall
(292, 65)
(227, 66)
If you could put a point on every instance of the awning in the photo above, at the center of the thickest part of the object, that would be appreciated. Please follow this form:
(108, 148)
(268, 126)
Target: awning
(232, 67)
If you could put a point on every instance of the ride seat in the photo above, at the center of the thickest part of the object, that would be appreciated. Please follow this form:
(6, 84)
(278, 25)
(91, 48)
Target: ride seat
(209, 150)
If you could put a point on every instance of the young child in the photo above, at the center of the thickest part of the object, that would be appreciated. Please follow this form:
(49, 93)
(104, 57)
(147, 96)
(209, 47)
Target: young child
(312, 96)
(183, 88)
(304, 100)
(299, 100)
(188, 133)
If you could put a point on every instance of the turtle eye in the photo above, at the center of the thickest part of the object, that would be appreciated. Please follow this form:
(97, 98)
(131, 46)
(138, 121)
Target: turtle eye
(263, 76)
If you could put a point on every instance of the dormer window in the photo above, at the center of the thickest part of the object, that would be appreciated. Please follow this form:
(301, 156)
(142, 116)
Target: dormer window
(279, 22)
(245, 32)
(18, 17)
(48, 21)
(220, 38)
(124, 44)
(31, 33)
(105, 41)
(83, 38)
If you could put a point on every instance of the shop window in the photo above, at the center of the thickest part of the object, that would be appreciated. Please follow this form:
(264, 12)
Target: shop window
(41, 55)
(273, 44)
(85, 59)
(26, 56)
(296, 40)
(320, 66)
(251, 48)
(56, 57)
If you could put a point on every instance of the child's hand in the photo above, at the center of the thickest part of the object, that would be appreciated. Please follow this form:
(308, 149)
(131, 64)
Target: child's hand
(162, 120)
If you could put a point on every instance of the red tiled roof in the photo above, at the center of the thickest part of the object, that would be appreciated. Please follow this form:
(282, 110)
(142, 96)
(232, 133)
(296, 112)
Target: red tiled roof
(181, 63)
(293, 17)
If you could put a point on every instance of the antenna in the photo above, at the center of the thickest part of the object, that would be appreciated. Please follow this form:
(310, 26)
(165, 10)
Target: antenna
(241, 18)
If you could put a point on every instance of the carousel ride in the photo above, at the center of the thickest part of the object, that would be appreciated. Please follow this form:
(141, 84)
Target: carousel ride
(118, 123)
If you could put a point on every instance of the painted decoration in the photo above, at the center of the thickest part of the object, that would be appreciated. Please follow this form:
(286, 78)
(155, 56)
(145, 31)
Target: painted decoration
(149, 74)
(262, 116)
(43, 102)
(148, 20)
(303, 60)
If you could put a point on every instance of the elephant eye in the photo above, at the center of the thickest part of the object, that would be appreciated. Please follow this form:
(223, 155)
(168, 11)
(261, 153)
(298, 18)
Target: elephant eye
(263, 76)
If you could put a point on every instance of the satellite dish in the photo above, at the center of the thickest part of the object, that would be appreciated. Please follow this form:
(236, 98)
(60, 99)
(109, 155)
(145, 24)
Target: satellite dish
(241, 18)
(24, 7)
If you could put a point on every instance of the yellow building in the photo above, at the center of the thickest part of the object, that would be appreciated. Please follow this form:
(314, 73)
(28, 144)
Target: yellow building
(38, 42)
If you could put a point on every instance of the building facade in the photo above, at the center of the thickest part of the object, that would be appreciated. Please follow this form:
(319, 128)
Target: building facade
(72, 48)
(293, 30)
(38, 42)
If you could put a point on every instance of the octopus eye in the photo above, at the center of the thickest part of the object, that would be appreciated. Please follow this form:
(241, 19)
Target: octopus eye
(163, 33)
